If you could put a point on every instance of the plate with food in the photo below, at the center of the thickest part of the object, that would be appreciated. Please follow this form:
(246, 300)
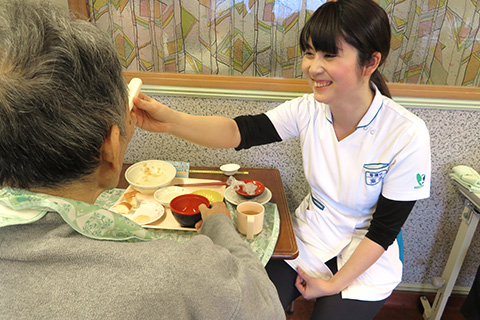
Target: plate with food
(233, 197)
(141, 211)
(249, 188)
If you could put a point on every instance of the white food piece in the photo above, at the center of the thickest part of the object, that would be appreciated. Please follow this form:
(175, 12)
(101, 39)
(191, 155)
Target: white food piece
(133, 90)
(250, 188)
(131, 198)
(123, 208)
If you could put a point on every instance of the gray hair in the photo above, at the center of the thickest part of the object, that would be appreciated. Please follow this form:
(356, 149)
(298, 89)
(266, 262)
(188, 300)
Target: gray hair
(61, 90)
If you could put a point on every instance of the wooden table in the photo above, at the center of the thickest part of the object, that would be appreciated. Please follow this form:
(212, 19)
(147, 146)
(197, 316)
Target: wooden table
(286, 247)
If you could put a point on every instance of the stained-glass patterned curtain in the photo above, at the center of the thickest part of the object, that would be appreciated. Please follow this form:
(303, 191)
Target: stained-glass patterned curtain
(434, 41)
(250, 37)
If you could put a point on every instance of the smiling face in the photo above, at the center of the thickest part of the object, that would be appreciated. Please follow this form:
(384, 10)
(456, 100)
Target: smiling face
(334, 78)
(345, 41)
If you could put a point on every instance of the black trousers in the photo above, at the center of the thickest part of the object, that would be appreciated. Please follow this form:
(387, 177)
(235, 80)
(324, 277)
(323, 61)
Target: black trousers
(471, 307)
(326, 308)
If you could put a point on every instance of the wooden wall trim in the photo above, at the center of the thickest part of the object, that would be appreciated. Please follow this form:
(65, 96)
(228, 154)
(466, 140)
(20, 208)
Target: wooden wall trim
(220, 81)
(79, 7)
(292, 85)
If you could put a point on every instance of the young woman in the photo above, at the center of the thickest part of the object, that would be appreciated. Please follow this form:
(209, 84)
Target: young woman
(366, 158)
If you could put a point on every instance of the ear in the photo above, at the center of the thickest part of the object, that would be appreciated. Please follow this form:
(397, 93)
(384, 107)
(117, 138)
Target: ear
(373, 64)
(111, 149)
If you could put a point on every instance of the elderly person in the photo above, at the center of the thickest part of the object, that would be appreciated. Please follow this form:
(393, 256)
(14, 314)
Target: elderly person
(64, 128)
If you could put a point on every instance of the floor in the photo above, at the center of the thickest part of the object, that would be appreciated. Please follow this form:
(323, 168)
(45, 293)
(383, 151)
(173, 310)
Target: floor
(399, 306)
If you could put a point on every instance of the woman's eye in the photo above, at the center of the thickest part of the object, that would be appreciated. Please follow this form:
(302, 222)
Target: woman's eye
(329, 55)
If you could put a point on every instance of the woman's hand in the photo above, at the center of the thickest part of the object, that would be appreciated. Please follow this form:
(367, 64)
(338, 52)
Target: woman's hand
(216, 207)
(208, 131)
(362, 258)
(311, 287)
(151, 115)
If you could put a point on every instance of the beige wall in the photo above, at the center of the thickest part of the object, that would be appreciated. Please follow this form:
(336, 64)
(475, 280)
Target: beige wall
(431, 228)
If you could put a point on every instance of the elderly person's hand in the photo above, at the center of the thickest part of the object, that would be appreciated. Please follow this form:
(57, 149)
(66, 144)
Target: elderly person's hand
(217, 207)
(151, 115)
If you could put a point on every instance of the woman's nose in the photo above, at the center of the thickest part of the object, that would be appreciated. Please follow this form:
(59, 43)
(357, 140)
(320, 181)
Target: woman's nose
(317, 65)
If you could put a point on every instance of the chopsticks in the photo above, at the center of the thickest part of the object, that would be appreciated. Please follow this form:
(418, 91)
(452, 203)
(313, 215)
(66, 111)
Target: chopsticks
(214, 171)
(201, 184)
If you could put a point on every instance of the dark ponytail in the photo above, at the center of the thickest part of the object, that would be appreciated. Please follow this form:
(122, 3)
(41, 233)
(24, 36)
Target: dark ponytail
(378, 79)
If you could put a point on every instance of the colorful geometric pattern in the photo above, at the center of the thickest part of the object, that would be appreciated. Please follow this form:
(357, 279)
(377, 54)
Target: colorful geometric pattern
(433, 42)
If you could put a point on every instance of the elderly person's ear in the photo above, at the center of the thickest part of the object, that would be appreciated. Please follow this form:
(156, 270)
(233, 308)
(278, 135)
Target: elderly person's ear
(111, 151)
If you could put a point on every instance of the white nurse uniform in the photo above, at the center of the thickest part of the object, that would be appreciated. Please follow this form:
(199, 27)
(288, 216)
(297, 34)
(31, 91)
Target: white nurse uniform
(388, 154)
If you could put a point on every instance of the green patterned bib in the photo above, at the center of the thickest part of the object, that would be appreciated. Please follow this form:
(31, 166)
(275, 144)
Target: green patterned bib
(18, 206)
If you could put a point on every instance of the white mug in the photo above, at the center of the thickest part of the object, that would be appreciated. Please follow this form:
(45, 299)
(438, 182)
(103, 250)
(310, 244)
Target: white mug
(250, 218)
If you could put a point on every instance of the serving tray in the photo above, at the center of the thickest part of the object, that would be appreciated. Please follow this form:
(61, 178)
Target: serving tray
(167, 221)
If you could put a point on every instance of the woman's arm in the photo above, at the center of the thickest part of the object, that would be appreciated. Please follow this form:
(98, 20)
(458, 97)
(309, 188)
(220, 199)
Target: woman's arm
(209, 131)
(388, 218)
(366, 254)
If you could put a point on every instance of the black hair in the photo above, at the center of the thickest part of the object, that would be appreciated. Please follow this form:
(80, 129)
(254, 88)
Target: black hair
(361, 23)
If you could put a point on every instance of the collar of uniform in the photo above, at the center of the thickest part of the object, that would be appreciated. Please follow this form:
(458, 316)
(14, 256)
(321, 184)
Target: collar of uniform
(371, 112)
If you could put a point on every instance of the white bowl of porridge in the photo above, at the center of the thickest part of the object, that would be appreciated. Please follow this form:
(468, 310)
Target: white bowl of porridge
(149, 175)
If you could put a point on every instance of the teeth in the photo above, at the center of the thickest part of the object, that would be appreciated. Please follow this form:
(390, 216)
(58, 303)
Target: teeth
(321, 85)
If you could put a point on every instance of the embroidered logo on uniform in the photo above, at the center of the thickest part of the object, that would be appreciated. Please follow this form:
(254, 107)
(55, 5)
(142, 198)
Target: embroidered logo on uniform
(420, 181)
(375, 172)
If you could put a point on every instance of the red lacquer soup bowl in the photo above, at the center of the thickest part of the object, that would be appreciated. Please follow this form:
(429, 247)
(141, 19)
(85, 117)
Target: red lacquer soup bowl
(185, 209)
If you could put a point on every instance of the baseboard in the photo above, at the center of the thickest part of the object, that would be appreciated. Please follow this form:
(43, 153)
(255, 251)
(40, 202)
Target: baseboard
(428, 288)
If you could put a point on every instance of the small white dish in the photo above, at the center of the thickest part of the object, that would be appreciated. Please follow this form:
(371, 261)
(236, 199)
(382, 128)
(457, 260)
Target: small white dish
(230, 169)
(165, 195)
(234, 198)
